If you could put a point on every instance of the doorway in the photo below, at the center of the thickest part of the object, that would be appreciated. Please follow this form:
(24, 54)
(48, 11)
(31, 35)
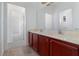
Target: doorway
(16, 26)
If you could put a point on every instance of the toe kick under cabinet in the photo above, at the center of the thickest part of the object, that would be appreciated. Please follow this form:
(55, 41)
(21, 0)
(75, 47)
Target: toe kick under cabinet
(47, 46)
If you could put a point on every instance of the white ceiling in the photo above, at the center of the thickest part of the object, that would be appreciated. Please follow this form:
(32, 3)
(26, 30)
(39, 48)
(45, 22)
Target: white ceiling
(27, 4)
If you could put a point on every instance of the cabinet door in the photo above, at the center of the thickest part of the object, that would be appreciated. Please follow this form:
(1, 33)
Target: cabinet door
(62, 49)
(43, 45)
(51, 48)
(35, 42)
(30, 39)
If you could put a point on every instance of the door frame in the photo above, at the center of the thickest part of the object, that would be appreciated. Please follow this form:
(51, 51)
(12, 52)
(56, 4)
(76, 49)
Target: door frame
(2, 29)
(24, 32)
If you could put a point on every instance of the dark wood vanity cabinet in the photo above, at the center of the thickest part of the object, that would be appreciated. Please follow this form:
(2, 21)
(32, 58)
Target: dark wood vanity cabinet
(35, 41)
(30, 39)
(43, 45)
(58, 48)
(46, 46)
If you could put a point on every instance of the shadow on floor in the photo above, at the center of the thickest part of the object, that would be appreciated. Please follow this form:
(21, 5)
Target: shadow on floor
(21, 51)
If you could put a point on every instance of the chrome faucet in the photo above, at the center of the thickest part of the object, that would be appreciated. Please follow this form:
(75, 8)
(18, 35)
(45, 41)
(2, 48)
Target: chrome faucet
(59, 31)
(41, 30)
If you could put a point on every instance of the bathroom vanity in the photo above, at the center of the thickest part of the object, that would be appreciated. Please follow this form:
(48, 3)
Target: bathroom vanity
(47, 44)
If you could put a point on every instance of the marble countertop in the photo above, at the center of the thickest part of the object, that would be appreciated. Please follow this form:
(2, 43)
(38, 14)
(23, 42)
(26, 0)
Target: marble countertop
(69, 36)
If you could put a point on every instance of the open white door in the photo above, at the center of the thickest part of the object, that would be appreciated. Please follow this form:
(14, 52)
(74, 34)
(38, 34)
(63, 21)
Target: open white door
(16, 25)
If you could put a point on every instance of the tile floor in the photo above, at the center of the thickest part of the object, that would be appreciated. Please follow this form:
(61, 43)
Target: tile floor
(21, 51)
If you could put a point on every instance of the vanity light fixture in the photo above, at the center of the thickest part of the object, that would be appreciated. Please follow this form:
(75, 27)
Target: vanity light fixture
(46, 3)
(64, 18)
